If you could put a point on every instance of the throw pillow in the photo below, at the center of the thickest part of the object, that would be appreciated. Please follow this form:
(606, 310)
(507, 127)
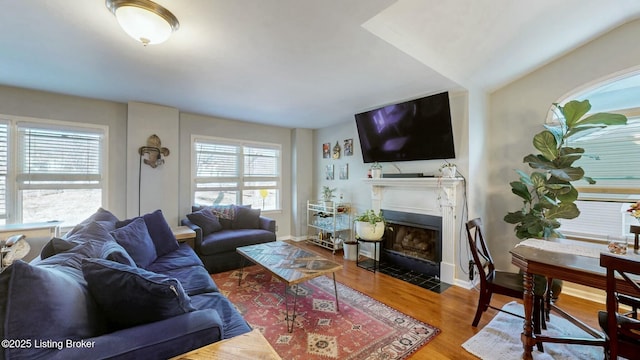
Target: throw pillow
(131, 296)
(246, 218)
(105, 217)
(206, 220)
(113, 251)
(135, 238)
(55, 246)
(225, 214)
(159, 230)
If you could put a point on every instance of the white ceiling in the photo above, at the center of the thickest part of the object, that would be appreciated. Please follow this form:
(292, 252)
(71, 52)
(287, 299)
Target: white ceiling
(294, 63)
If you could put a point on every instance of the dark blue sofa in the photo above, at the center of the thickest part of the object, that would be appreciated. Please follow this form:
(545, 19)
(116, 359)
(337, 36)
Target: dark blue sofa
(113, 290)
(220, 229)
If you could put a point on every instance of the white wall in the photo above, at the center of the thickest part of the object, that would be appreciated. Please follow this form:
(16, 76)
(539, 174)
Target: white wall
(518, 111)
(168, 186)
(301, 180)
(151, 188)
(44, 105)
(354, 189)
(191, 124)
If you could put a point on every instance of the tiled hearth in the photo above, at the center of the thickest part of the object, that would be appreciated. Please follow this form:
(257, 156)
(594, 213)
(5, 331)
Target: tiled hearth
(412, 277)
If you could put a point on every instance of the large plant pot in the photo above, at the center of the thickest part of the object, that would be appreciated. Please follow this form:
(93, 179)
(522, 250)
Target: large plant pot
(367, 231)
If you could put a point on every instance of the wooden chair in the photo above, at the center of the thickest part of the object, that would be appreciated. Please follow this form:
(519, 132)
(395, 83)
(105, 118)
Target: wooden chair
(623, 332)
(501, 282)
(635, 230)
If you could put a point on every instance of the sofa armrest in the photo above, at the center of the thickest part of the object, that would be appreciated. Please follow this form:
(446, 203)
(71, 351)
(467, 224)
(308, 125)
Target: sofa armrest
(267, 224)
(198, 240)
(157, 340)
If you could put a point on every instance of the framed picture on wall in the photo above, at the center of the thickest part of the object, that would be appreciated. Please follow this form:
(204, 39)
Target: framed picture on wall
(344, 172)
(348, 147)
(328, 172)
(326, 150)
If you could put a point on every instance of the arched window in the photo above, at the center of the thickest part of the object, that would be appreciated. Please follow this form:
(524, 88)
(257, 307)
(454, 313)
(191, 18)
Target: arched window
(612, 158)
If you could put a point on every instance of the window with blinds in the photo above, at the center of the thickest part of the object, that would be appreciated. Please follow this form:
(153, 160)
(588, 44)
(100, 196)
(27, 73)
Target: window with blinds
(4, 168)
(58, 157)
(59, 172)
(229, 172)
(612, 158)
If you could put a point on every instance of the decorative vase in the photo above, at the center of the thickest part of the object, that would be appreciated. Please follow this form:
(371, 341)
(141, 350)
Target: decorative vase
(448, 172)
(368, 231)
(376, 173)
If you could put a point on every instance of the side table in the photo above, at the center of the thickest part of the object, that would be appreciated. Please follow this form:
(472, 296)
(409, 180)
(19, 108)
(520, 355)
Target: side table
(185, 234)
(366, 264)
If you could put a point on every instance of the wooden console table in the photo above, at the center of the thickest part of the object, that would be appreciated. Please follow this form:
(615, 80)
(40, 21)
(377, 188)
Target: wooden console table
(249, 346)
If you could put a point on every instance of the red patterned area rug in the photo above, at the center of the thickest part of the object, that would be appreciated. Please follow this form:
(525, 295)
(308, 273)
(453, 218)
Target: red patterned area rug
(363, 328)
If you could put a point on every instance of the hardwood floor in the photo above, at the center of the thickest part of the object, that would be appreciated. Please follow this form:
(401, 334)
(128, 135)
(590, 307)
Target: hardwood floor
(451, 311)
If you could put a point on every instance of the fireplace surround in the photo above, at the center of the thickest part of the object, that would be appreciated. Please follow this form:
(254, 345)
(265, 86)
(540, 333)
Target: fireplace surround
(437, 197)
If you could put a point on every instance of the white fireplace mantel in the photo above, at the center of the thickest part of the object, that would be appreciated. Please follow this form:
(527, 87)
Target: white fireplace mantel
(435, 196)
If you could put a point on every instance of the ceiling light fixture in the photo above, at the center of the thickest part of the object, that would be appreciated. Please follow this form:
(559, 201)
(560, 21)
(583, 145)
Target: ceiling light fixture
(144, 20)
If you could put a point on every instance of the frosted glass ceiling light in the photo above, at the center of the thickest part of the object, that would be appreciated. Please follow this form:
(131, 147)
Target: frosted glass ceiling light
(144, 20)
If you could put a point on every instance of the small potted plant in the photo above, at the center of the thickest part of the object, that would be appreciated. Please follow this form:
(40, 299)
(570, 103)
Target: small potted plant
(448, 170)
(327, 196)
(370, 225)
(376, 170)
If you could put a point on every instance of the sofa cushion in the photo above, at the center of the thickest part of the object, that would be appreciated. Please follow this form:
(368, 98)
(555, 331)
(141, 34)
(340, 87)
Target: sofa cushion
(206, 220)
(224, 213)
(183, 257)
(113, 251)
(132, 296)
(135, 238)
(102, 216)
(194, 279)
(233, 322)
(246, 218)
(45, 303)
(56, 246)
(228, 240)
(159, 230)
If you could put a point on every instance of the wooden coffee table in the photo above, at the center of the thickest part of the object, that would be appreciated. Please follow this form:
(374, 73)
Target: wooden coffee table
(292, 265)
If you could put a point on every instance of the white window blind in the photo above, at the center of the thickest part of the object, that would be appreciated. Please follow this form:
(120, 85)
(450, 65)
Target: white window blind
(230, 172)
(612, 158)
(52, 157)
(597, 220)
(4, 167)
(612, 154)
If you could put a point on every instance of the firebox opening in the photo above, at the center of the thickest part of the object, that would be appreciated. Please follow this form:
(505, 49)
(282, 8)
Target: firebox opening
(415, 242)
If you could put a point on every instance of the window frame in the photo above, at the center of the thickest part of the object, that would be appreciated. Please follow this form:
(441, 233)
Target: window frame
(241, 179)
(13, 192)
(609, 194)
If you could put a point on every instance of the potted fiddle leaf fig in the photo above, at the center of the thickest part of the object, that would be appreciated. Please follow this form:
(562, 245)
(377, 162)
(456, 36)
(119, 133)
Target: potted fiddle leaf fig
(547, 192)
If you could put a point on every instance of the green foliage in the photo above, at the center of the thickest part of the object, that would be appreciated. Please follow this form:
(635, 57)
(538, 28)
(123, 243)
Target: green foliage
(327, 193)
(371, 217)
(548, 193)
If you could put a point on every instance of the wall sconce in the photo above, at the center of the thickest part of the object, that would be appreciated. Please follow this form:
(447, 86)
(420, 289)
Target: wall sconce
(154, 151)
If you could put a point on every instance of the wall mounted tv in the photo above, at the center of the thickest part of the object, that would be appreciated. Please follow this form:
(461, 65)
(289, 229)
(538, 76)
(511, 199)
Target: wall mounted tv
(418, 129)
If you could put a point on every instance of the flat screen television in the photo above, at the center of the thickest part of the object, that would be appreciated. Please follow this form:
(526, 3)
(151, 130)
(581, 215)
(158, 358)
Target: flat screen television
(418, 129)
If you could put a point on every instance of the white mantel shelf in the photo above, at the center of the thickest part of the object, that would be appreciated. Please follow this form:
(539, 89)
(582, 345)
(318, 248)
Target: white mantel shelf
(415, 181)
(437, 196)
